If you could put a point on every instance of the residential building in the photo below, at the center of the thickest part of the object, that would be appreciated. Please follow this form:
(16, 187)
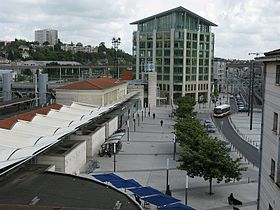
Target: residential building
(46, 35)
(219, 73)
(180, 44)
(79, 48)
(269, 189)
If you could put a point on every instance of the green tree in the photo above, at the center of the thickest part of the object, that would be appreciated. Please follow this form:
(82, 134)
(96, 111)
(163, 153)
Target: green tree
(202, 155)
(216, 91)
(210, 160)
(46, 43)
(185, 106)
(27, 72)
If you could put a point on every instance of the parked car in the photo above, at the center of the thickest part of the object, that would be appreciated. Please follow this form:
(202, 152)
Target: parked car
(211, 128)
(207, 122)
(243, 109)
(239, 103)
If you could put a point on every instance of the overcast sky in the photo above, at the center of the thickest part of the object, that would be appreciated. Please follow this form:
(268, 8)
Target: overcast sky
(243, 25)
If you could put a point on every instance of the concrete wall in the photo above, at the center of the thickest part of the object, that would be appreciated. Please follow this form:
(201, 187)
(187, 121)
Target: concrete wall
(94, 97)
(93, 140)
(76, 159)
(69, 163)
(57, 161)
(270, 192)
(113, 125)
(66, 97)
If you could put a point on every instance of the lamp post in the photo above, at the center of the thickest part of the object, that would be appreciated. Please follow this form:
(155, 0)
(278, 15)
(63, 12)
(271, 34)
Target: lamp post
(142, 115)
(116, 42)
(145, 110)
(252, 97)
(138, 116)
(252, 79)
(174, 141)
(167, 192)
(134, 124)
(115, 151)
(186, 192)
(127, 129)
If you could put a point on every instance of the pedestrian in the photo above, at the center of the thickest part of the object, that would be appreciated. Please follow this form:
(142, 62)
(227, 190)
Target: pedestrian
(161, 123)
(149, 113)
(154, 115)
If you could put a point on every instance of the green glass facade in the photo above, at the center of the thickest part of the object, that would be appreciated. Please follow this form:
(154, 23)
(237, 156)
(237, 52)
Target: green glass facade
(181, 46)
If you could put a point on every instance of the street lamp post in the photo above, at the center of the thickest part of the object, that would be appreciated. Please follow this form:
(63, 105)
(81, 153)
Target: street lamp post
(127, 129)
(145, 110)
(167, 181)
(174, 141)
(252, 90)
(116, 42)
(134, 124)
(115, 151)
(252, 97)
(187, 186)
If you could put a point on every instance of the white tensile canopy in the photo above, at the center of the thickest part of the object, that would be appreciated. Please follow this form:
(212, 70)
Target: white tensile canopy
(26, 138)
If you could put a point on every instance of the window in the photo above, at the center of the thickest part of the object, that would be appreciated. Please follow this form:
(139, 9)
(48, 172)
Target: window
(275, 122)
(278, 166)
(277, 75)
(272, 169)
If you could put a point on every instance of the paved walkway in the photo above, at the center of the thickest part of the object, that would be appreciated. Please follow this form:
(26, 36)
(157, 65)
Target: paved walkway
(144, 158)
(241, 123)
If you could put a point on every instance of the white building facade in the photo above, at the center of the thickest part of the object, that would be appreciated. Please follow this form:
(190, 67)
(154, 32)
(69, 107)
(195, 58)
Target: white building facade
(269, 189)
(46, 35)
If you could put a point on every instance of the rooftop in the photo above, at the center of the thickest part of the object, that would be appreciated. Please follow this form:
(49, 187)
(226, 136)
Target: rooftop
(95, 84)
(32, 182)
(177, 9)
(27, 116)
(273, 56)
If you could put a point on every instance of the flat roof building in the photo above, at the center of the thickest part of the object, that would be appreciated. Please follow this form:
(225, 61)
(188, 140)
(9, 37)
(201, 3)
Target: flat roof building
(180, 46)
(46, 35)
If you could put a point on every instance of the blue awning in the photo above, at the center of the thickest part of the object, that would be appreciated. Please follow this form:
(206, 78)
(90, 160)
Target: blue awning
(177, 206)
(145, 191)
(160, 200)
(107, 177)
(129, 183)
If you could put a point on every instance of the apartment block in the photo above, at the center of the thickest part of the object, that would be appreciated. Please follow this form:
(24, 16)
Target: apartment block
(46, 35)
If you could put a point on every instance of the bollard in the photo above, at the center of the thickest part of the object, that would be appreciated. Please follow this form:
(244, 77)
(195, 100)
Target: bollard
(248, 179)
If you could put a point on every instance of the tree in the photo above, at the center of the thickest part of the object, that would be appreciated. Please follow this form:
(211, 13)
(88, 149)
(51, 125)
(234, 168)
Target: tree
(46, 43)
(27, 72)
(203, 155)
(216, 91)
(185, 106)
(210, 160)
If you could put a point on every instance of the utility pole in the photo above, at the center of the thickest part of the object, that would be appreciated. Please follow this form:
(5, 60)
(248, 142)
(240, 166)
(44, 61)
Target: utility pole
(252, 90)
(252, 97)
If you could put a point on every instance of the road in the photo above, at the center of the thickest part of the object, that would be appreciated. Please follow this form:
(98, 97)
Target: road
(248, 151)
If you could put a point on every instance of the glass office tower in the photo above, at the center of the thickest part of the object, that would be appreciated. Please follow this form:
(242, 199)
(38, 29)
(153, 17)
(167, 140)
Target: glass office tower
(181, 46)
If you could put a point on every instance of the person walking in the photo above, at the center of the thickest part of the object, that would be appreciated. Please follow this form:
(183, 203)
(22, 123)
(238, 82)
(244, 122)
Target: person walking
(161, 123)
(154, 115)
